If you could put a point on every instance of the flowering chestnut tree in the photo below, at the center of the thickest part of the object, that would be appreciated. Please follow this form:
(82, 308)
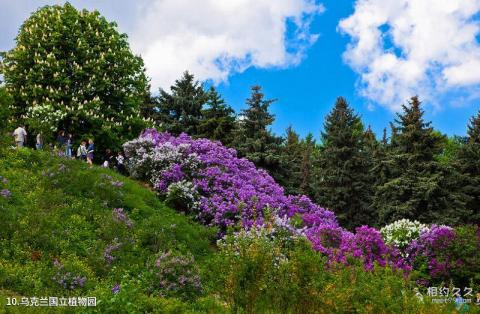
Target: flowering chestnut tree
(73, 70)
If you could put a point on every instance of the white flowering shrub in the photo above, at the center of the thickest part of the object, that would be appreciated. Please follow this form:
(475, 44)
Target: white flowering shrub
(183, 195)
(402, 232)
(160, 165)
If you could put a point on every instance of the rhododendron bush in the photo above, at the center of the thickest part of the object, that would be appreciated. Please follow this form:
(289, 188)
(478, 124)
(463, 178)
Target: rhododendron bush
(442, 254)
(213, 184)
(208, 180)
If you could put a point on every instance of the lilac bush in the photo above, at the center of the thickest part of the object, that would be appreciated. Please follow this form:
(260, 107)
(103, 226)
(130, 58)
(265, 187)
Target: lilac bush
(108, 253)
(225, 190)
(5, 193)
(175, 274)
(120, 216)
(220, 189)
(66, 279)
(431, 249)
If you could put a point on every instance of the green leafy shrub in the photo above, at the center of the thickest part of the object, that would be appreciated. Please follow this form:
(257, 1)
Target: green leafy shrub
(255, 273)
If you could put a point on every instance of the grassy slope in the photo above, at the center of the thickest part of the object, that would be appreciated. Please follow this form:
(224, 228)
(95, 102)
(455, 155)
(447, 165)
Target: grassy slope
(62, 209)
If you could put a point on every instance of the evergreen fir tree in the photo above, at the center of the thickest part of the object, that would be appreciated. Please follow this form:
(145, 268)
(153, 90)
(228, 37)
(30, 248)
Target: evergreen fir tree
(384, 137)
(291, 157)
(415, 185)
(218, 119)
(253, 139)
(181, 109)
(343, 167)
(469, 165)
(306, 167)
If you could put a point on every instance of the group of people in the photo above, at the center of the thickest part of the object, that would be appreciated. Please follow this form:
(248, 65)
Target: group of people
(64, 146)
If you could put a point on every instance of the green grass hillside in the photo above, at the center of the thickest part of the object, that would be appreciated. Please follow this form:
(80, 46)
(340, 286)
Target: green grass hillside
(69, 231)
(58, 222)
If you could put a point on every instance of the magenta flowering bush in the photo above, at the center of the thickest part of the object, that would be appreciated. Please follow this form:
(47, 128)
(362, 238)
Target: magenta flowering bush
(431, 250)
(366, 245)
(220, 189)
(225, 191)
(443, 253)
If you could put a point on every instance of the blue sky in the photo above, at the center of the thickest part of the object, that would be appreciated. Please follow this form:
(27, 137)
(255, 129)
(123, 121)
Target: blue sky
(306, 93)
(325, 49)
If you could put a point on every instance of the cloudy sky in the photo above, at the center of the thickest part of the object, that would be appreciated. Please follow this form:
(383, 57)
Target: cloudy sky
(305, 53)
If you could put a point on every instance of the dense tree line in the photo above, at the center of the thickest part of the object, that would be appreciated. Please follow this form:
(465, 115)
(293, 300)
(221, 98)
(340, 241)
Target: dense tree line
(416, 173)
(88, 82)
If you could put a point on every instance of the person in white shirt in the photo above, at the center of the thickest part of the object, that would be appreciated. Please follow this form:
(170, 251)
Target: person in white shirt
(20, 136)
(39, 144)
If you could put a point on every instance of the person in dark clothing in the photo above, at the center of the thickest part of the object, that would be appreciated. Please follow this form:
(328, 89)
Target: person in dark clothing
(90, 150)
(109, 159)
(61, 139)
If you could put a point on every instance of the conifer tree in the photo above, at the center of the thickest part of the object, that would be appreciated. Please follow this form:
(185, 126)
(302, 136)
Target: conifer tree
(415, 185)
(253, 138)
(218, 119)
(309, 149)
(469, 165)
(290, 168)
(181, 109)
(343, 168)
(295, 172)
(384, 137)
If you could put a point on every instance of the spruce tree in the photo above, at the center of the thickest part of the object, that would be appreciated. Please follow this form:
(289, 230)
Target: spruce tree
(253, 138)
(218, 119)
(291, 158)
(181, 109)
(309, 149)
(469, 165)
(415, 185)
(343, 167)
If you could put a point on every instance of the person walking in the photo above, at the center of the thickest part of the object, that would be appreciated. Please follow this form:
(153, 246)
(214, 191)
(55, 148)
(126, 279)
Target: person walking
(82, 151)
(68, 146)
(120, 163)
(20, 136)
(39, 142)
(61, 139)
(107, 162)
(90, 150)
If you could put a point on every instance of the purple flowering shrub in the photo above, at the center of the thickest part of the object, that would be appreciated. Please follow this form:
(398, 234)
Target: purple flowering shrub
(109, 252)
(366, 245)
(120, 216)
(174, 274)
(207, 179)
(225, 190)
(4, 192)
(443, 254)
(65, 278)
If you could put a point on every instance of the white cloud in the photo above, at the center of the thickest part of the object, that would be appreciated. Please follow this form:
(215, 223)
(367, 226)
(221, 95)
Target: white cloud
(215, 38)
(401, 48)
